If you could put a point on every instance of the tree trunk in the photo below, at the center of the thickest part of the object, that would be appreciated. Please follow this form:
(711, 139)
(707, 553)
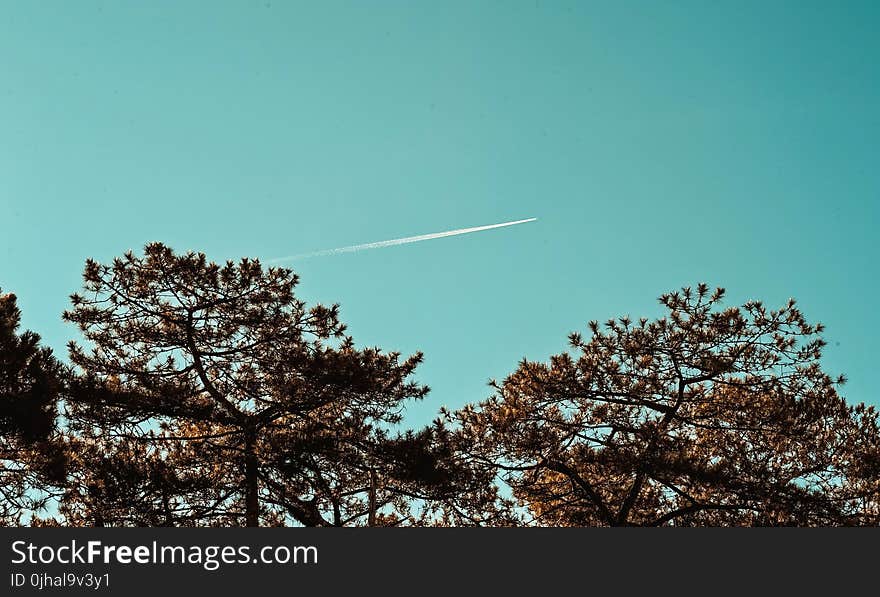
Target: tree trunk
(251, 480)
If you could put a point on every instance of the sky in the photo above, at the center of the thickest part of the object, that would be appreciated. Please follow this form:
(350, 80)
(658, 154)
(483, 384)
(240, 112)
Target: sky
(658, 144)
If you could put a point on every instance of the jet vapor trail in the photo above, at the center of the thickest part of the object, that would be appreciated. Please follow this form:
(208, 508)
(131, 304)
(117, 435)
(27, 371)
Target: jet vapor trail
(399, 241)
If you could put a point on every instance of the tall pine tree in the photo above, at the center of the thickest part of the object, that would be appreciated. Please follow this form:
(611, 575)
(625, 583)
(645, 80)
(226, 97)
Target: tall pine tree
(31, 458)
(211, 395)
(710, 415)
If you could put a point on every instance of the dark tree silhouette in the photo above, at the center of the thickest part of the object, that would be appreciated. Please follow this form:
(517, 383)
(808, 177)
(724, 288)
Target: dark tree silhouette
(707, 416)
(30, 383)
(443, 488)
(210, 394)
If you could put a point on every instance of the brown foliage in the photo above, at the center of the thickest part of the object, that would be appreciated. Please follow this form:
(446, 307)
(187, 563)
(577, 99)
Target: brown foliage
(707, 416)
(212, 395)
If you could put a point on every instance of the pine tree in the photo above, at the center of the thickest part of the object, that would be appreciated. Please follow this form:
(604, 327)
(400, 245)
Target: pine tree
(211, 395)
(707, 416)
(31, 459)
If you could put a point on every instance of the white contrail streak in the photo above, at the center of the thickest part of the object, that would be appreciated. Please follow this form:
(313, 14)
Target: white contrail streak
(398, 241)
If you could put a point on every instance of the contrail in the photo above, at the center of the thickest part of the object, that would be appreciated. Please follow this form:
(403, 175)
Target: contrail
(398, 241)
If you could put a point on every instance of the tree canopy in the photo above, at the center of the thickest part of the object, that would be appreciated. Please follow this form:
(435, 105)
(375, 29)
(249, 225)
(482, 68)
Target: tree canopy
(30, 384)
(709, 415)
(252, 408)
(205, 394)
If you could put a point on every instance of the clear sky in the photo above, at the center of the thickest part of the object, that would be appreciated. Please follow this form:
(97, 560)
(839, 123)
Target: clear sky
(659, 144)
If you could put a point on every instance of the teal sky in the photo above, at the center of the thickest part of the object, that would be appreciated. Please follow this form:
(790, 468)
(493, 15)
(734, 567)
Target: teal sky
(659, 144)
